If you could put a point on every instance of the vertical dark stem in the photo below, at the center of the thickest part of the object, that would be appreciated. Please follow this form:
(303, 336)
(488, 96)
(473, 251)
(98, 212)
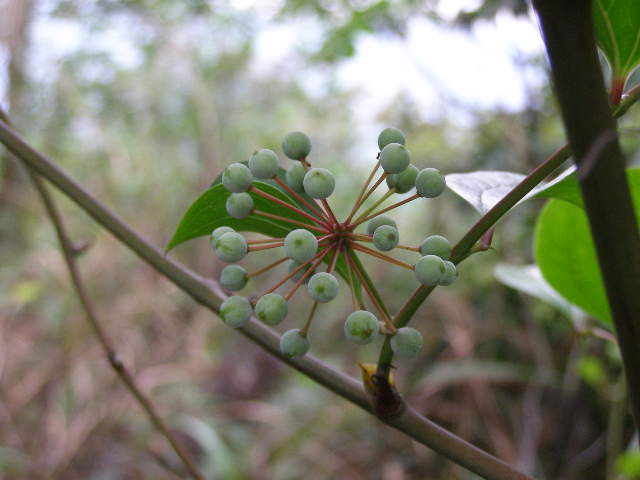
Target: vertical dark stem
(569, 38)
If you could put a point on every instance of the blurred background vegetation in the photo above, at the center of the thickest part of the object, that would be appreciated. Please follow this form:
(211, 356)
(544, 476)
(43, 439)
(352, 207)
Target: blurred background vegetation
(144, 102)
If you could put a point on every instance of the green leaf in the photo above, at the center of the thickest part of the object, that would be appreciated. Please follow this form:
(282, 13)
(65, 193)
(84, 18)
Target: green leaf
(482, 189)
(564, 249)
(565, 254)
(564, 187)
(209, 212)
(617, 27)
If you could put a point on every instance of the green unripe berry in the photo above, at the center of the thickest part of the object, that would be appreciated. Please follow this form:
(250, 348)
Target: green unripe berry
(450, 274)
(436, 245)
(296, 145)
(235, 311)
(403, 181)
(429, 270)
(217, 233)
(293, 265)
(407, 342)
(319, 183)
(323, 287)
(272, 309)
(385, 238)
(231, 247)
(361, 327)
(237, 178)
(374, 223)
(390, 135)
(294, 177)
(239, 205)
(233, 277)
(292, 344)
(394, 158)
(264, 164)
(300, 245)
(430, 183)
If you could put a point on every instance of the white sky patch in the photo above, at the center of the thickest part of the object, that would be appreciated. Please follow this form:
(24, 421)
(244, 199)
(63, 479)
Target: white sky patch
(476, 68)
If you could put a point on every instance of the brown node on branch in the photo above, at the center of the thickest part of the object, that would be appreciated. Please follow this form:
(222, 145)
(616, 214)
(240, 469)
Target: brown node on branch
(386, 400)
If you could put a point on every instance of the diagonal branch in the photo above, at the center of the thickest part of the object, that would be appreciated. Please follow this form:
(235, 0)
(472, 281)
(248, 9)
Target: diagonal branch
(409, 422)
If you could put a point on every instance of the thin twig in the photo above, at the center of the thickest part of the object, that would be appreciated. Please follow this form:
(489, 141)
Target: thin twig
(69, 253)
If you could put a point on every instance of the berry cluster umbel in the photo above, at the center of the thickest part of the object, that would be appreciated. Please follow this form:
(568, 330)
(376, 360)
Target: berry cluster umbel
(324, 239)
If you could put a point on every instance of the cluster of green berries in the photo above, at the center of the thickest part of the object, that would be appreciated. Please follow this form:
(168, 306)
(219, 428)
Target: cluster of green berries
(304, 247)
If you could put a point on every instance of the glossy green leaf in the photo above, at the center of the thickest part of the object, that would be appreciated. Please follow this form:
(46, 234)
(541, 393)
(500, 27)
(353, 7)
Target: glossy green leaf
(565, 187)
(566, 256)
(617, 26)
(208, 212)
(483, 189)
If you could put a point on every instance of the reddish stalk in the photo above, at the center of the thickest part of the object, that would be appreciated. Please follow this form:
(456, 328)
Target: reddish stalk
(268, 196)
(294, 289)
(617, 88)
(372, 189)
(296, 270)
(356, 205)
(267, 268)
(305, 329)
(381, 256)
(289, 220)
(384, 210)
(326, 237)
(372, 297)
(336, 254)
(361, 237)
(266, 240)
(257, 248)
(301, 199)
(328, 209)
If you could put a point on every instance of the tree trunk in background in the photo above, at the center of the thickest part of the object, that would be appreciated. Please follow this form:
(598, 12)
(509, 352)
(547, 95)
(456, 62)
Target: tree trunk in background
(15, 16)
